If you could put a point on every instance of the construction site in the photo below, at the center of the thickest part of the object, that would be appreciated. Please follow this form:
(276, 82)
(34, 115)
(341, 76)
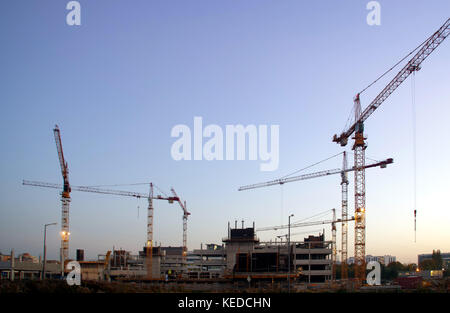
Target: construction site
(241, 260)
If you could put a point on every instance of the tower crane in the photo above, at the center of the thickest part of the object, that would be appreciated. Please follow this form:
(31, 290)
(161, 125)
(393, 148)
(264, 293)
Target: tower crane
(333, 223)
(344, 191)
(65, 199)
(150, 196)
(185, 217)
(360, 145)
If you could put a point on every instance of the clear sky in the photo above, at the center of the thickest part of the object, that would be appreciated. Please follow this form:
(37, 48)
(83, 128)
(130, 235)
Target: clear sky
(117, 84)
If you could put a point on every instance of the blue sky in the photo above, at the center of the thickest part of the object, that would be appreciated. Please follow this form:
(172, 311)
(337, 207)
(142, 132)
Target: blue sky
(117, 84)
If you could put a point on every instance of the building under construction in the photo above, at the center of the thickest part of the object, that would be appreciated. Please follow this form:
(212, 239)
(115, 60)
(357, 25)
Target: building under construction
(241, 256)
(308, 260)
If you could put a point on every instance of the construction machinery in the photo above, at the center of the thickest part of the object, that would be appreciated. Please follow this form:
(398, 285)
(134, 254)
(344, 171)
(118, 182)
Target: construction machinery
(185, 217)
(344, 191)
(65, 199)
(150, 196)
(359, 146)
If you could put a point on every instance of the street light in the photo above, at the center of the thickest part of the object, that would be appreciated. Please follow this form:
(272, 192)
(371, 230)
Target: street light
(289, 253)
(45, 249)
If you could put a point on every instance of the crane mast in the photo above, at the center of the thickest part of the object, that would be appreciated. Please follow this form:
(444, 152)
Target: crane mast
(333, 249)
(65, 199)
(185, 217)
(360, 146)
(344, 232)
(359, 149)
(149, 244)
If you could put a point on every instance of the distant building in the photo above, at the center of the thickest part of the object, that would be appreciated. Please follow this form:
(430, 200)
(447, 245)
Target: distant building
(4, 258)
(26, 257)
(388, 259)
(384, 259)
(429, 256)
(25, 266)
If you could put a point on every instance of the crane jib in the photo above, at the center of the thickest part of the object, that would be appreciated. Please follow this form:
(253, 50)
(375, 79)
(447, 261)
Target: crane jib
(413, 65)
(382, 164)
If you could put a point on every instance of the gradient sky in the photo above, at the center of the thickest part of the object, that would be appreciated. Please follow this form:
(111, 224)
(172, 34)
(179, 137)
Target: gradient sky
(117, 84)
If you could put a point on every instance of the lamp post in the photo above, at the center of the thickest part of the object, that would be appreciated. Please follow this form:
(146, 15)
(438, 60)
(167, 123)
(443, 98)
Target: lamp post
(289, 253)
(45, 249)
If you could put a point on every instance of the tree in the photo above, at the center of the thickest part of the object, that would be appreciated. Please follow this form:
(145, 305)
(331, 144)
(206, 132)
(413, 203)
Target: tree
(437, 259)
(411, 267)
(435, 263)
(391, 271)
(427, 265)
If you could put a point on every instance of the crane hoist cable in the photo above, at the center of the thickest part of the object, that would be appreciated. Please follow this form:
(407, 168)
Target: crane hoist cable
(138, 207)
(414, 148)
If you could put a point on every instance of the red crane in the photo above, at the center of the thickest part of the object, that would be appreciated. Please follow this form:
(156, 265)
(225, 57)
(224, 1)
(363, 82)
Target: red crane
(185, 217)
